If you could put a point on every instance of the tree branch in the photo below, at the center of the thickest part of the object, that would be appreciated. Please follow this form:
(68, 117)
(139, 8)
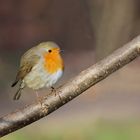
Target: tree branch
(71, 89)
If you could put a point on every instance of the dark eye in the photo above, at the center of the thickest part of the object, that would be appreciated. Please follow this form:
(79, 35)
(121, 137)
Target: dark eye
(49, 51)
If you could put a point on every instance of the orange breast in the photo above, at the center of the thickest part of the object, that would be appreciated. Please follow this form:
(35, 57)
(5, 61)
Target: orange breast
(53, 62)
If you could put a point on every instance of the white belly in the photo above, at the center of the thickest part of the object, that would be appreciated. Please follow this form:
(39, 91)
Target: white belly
(39, 78)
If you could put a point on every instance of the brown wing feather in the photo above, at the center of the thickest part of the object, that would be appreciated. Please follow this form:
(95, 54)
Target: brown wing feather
(27, 63)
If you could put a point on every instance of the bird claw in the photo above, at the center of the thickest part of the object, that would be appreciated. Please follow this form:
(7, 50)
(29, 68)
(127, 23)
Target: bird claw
(55, 93)
(53, 90)
(45, 107)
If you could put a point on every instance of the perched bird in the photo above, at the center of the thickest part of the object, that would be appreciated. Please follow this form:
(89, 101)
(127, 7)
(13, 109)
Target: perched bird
(41, 66)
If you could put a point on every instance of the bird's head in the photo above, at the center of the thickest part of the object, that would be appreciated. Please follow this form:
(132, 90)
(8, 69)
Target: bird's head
(51, 55)
(49, 48)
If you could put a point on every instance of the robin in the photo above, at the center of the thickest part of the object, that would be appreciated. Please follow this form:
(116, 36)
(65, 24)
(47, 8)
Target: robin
(41, 66)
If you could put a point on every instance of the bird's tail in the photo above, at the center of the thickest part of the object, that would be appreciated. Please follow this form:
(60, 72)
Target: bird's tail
(18, 93)
(14, 83)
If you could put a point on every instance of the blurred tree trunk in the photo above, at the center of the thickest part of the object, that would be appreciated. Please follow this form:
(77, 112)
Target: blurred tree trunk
(64, 21)
(112, 22)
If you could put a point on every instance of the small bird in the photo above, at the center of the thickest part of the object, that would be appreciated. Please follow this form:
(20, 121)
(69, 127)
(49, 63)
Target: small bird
(41, 66)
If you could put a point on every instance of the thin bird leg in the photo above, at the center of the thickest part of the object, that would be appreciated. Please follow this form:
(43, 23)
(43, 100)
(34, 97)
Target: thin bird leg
(54, 90)
(38, 97)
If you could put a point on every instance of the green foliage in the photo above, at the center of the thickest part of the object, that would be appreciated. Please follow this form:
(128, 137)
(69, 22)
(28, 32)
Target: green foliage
(100, 130)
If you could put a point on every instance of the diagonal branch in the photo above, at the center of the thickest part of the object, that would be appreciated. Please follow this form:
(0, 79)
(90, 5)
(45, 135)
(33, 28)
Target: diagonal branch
(74, 87)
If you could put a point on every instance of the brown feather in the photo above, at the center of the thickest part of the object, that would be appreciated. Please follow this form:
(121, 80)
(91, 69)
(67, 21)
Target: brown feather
(28, 60)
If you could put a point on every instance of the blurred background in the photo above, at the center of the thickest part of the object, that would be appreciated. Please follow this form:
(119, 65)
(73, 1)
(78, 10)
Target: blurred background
(87, 31)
